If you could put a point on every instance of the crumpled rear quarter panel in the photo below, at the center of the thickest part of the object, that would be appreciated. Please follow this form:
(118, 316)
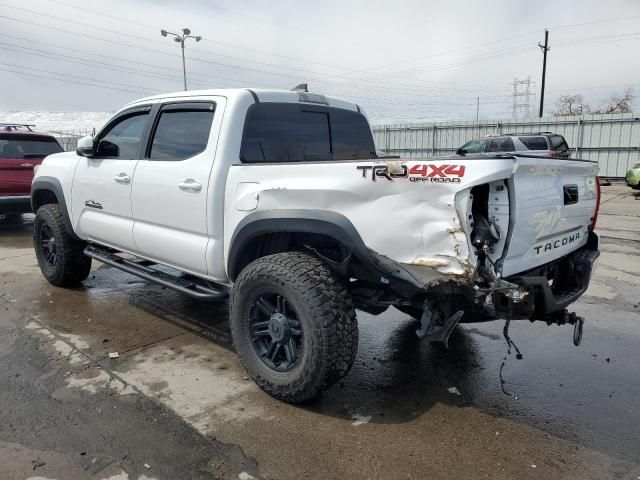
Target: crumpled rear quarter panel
(411, 218)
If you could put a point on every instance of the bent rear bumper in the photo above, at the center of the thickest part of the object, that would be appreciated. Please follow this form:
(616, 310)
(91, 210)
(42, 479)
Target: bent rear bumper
(555, 286)
(15, 204)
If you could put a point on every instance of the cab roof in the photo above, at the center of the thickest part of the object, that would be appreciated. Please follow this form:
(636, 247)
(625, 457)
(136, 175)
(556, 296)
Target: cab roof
(259, 94)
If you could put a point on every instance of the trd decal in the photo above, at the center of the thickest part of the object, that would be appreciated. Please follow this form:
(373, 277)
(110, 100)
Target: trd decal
(92, 204)
(417, 173)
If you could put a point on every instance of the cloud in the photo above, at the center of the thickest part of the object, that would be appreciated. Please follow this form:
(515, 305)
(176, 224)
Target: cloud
(402, 61)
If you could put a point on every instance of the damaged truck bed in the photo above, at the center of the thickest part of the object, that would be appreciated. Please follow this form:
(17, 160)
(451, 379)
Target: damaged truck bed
(504, 237)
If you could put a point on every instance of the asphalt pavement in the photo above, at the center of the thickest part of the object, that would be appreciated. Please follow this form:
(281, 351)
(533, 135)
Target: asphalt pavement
(176, 403)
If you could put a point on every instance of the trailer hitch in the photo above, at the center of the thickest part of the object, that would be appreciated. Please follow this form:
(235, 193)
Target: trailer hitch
(565, 318)
(578, 326)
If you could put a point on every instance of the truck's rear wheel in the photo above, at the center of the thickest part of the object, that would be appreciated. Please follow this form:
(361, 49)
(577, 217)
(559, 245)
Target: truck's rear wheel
(293, 325)
(59, 255)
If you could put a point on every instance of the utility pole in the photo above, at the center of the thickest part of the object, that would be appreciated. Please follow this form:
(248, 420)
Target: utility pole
(477, 109)
(180, 38)
(545, 48)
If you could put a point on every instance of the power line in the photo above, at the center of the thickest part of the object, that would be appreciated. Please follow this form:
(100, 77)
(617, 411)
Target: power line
(137, 71)
(135, 62)
(359, 86)
(81, 77)
(137, 37)
(227, 44)
(496, 41)
(29, 74)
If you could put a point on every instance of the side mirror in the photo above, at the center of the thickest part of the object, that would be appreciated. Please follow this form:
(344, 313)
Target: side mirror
(461, 151)
(85, 147)
(107, 149)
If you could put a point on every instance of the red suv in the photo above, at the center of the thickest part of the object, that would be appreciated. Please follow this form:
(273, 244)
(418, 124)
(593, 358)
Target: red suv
(21, 150)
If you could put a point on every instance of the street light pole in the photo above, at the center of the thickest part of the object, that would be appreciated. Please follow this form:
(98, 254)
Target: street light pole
(181, 38)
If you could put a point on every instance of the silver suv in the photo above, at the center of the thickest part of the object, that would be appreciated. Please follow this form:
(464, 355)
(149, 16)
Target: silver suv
(544, 144)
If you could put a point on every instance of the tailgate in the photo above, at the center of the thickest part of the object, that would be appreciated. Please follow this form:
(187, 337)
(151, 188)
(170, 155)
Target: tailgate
(552, 203)
(16, 175)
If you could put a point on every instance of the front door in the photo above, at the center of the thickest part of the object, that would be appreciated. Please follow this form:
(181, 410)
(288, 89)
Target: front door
(170, 188)
(102, 184)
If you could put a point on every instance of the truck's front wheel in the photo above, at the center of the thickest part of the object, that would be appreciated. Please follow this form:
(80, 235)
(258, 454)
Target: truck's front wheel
(59, 255)
(293, 325)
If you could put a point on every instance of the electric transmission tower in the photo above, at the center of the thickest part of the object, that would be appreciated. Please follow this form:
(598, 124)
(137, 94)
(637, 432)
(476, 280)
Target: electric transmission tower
(521, 98)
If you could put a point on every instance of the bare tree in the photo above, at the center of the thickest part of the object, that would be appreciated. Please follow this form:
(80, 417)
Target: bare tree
(619, 103)
(571, 105)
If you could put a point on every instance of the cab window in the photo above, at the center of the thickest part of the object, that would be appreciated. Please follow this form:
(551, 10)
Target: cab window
(182, 132)
(501, 144)
(122, 139)
(292, 132)
(534, 142)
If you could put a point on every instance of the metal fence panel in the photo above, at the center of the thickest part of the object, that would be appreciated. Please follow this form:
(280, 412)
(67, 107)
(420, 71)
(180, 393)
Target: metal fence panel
(613, 140)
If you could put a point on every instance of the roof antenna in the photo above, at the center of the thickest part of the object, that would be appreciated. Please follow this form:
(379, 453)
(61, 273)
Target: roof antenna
(300, 88)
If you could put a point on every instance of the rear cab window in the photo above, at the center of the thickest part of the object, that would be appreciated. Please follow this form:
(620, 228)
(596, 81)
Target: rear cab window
(292, 132)
(534, 142)
(16, 145)
(559, 144)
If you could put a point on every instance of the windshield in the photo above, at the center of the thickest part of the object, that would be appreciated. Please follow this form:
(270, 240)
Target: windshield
(292, 132)
(475, 146)
(14, 146)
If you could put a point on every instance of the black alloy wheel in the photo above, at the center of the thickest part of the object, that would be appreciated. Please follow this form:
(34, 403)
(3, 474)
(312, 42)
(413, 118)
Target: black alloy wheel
(276, 332)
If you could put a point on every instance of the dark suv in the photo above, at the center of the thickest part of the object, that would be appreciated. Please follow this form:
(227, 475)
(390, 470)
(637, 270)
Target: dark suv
(21, 150)
(543, 144)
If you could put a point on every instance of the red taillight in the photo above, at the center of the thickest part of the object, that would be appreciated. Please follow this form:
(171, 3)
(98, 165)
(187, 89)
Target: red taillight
(595, 215)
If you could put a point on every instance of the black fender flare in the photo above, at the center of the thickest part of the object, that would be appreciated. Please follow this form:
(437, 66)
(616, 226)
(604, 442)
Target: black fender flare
(54, 186)
(323, 222)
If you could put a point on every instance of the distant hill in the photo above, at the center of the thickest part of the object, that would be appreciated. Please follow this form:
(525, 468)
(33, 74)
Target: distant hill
(65, 122)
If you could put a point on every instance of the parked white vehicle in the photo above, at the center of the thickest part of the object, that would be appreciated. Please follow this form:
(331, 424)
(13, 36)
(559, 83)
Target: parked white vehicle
(278, 200)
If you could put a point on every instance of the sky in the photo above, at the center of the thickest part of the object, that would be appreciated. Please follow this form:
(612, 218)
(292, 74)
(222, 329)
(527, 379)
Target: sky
(402, 61)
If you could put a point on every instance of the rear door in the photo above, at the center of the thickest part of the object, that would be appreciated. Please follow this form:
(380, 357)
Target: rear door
(19, 154)
(553, 202)
(171, 184)
(101, 192)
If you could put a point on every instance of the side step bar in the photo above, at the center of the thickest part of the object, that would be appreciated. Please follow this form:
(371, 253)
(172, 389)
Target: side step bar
(143, 269)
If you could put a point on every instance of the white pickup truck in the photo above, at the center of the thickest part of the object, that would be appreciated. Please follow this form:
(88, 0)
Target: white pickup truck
(278, 200)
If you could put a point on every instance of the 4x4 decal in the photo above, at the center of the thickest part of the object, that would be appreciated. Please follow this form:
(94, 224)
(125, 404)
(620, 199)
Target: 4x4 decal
(417, 173)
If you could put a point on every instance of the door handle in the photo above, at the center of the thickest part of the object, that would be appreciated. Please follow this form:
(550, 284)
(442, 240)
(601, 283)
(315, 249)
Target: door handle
(190, 185)
(122, 178)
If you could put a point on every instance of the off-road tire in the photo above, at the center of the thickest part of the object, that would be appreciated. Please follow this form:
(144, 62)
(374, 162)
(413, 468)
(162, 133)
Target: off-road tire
(325, 311)
(71, 265)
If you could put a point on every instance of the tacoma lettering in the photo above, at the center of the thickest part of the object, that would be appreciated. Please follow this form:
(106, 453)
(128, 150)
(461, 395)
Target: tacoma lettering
(561, 242)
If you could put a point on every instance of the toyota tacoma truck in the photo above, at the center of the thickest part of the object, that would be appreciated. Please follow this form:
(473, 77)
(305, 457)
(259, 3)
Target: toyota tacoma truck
(278, 202)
